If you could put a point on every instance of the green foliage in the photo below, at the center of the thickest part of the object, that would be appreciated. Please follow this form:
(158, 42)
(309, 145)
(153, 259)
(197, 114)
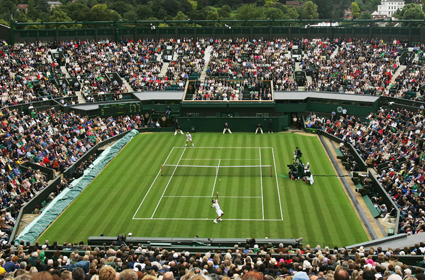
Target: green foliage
(76, 11)
(309, 11)
(2, 21)
(34, 26)
(144, 12)
(212, 15)
(224, 12)
(269, 3)
(131, 15)
(185, 6)
(180, 16)
(101, 12)
(365, 15)
(324, 8)
(198, 14)
(355, 10)
(59, 15)
(43, 6)
(274, 13)
(411, 12)
(121, 7)
(290, 12)
(249, 12)
(199, 4)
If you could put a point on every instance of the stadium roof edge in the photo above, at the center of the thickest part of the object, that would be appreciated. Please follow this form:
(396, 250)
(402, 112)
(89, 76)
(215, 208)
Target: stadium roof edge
(302, 95)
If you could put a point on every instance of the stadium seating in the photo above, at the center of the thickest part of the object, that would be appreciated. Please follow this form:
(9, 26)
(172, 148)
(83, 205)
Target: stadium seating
(242, 72)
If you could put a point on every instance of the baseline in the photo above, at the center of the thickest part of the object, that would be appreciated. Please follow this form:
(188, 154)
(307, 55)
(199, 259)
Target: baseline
(223, 147)
(207, 219)
(200, 196)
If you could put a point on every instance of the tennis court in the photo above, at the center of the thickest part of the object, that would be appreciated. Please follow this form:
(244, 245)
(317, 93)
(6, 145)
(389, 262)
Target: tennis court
(130, 195)
(245, 174)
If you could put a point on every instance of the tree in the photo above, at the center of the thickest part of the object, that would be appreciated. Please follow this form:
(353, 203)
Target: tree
(144, 12)
(35, 26)
(171, 6)
(31, 12)
(59, 15)
(275, 13)
(224, 12)
(100, 12)
(200, 4)
(309, 11)
(3, 22)
(180, 16)
(121, 7)
(185, 6)
(411, 12)
(76, 11)
(43, 6)
(131, 15)
(291, 12)
(249, 12)
(198, 14)
(212, 15)
(365, 15)
(324, 8)
(355, 10)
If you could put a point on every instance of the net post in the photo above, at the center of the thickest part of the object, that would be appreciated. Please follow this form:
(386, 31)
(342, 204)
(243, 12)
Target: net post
(162, 169)
(271, 170)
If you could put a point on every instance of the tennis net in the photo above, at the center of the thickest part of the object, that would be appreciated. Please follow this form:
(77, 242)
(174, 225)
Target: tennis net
(208, 170)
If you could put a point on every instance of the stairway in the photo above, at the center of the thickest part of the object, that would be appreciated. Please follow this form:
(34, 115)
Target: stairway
(163, 70)
(207, 58)
(335, 52)
(396, 74)
(127, 85)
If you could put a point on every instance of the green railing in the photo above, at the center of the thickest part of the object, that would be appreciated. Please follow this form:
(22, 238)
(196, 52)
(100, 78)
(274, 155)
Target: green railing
(120, 29)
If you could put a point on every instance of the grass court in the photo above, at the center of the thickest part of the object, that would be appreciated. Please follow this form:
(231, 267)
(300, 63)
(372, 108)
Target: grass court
(134, 194)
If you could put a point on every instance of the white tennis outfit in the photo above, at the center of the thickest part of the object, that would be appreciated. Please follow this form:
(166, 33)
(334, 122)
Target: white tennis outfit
(217, 209)
(189, 137)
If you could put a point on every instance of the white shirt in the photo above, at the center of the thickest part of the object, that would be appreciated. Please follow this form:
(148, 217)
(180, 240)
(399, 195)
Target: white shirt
(216, 206)
(188, 136)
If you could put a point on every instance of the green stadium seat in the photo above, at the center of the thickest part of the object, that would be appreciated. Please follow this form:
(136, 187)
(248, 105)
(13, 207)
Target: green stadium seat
(339, 153)
(375, 213)
(390, 231)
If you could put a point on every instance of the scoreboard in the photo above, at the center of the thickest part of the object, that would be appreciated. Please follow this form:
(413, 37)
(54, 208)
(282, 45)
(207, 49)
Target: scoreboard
(129, 108)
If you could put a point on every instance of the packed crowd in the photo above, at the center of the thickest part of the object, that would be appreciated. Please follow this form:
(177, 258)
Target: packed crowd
(394, 138)
(49, 138)
(362, 67)
(348, 66)
(222, 89)
(27, 75)
(251, 262)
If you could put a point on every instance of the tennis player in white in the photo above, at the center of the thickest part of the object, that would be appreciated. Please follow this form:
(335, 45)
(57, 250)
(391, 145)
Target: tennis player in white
(217, 209)
(188, 138)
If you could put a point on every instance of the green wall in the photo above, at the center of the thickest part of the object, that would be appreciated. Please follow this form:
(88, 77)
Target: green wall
(236, 124)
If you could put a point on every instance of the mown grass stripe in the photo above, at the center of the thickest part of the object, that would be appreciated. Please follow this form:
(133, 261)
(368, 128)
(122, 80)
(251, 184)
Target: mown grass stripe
(128, 177)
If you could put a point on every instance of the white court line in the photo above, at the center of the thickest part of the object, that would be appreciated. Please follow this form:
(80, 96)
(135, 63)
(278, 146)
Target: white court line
(206, 219)
(261, 179)
(277, 184)
(159, 172)
(221, 159)
(224, 147)
(210, 196)
(216, 175)
(166, 187)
